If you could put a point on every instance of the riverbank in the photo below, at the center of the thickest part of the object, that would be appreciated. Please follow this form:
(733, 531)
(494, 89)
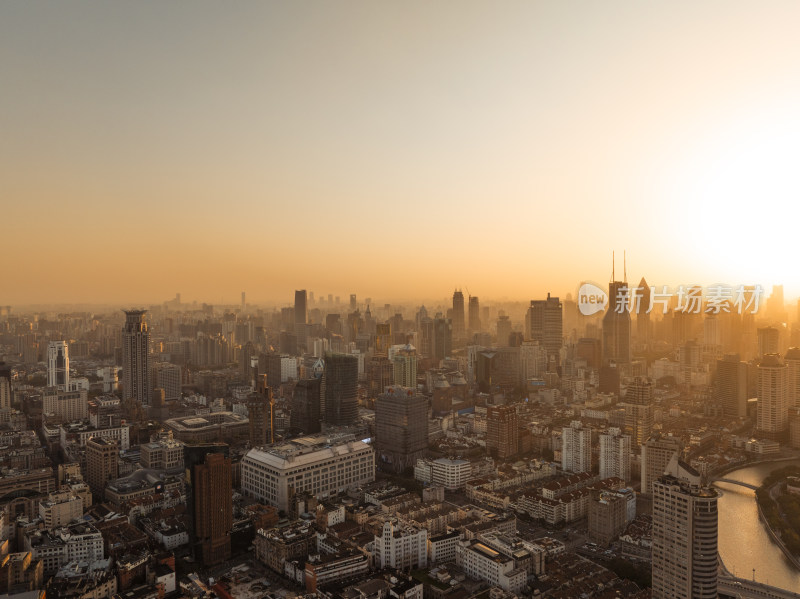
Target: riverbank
(774, 535)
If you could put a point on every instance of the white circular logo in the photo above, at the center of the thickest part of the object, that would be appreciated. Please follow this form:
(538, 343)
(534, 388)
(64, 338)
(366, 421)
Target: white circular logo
(591, 299)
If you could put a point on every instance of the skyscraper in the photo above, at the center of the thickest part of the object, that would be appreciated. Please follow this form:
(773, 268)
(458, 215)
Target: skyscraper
(638, 407)
(502, 432)
(657, 453)
(615, 455)
(5, 386)
(401, 428)
(617, 325)
(405, 367)
(768, 341)
(544, 323)
(259, 417)
(685, 533)
(792, 359)
(642, 309)
(340, 383)
(474, 314)
(772, 418)
(306, 406)
(102, 460)
(443, 334)
(731, 385)
(210, 500)
(459, 332)
(58, 364)
(300, 307)
(136, 370)
(576, 448)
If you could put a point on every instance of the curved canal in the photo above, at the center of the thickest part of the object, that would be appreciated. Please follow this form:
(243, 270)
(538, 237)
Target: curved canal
(744, 543)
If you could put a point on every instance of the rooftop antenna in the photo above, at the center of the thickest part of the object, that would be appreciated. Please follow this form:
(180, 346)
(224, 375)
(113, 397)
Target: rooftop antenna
(613, 265)
(624, 267)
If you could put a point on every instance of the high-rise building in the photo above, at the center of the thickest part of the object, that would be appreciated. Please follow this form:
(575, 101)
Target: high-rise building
(167, 376)
(474, 314)
(405, 367)
(607, 515)
(340, 388)
(502, 432)
(300, 307)
(459, 332)
(656, 455)
(638, 406)
(576, 448)
(615, 455)
(792, 359)
(306, 406)
(731, 387)
(401, 428)
(772, 417)
(102, 463)
(58, 364)
(617, 325)
(544, 322)
(5, 386)
(210, 500)
(443, 334)
(136, 371)
(503, 329)
(259, 418)
(685, 533)
(768, 341)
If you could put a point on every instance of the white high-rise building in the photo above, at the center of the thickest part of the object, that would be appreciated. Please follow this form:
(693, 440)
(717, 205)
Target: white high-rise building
(136, 370)
(576, 448)
(58, 364)
(685, 533)
(401, 546)
(615, 455)
(772, 418)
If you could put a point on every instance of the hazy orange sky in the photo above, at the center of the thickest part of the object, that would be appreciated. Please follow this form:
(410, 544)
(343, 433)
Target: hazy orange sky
(394, 150)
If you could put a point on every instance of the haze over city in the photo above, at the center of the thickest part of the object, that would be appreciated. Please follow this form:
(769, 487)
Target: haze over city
(419, 300)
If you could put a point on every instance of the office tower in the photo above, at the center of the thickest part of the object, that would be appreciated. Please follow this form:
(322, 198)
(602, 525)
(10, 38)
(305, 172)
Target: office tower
(772, 418)
(502, 432)
(474, 314)
(5, 386)
(340, 384)
(244, 302)
(642, 310)
(300, 307)
(136, 357)
(259, 418)
(532, 361)
(685, 530)
(615, 455)
(638, 405)
(401, 428)
(353, 302)
(617, 325)
(656, 455)
(306, 406)
(443, 334)
(544, 323)
(58, 364)
(768, 341)
(405, 367)
(210, 500)
(167, 376)
(383, 338)
(102, 460)
(576, 448)
(792, 359)
(731, 385)
(591, 350)
(459, 332)
(503, 329)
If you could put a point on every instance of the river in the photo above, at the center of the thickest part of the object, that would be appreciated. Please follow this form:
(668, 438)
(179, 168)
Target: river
(744, 543)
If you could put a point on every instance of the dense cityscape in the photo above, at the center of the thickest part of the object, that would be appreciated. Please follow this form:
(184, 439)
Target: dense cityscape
(432, 299)
(340, 448)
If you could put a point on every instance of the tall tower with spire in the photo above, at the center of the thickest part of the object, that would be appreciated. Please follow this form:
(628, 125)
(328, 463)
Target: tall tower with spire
(617, 319)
